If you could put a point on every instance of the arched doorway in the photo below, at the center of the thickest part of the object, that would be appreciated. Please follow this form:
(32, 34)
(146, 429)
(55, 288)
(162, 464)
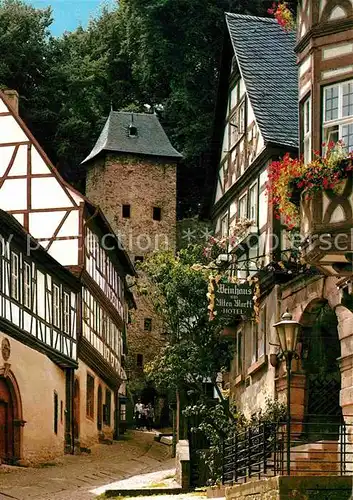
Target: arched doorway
(6, 422)
(76, 409)
(11, 421)
(321, 351)
(99, 408)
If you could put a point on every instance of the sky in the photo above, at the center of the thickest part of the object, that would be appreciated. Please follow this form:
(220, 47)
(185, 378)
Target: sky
(69, 14)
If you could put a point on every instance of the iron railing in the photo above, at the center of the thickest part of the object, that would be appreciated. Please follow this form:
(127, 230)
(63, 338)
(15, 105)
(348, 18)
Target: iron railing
(317, 447)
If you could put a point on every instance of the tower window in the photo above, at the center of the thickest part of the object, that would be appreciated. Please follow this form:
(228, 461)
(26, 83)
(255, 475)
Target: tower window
(126, 211)
(147, 325)
(132, 131)
(139, 360)
(157, 213)
(138, 258)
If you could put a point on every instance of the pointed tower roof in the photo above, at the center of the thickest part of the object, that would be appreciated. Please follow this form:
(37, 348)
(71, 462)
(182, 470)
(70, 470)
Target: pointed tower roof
(136, 133)
(267, 63)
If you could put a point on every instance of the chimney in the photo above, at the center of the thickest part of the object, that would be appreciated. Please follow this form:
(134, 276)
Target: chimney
(12, 98)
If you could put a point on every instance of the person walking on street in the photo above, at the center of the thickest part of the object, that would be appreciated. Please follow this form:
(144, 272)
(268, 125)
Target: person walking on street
(138, 414)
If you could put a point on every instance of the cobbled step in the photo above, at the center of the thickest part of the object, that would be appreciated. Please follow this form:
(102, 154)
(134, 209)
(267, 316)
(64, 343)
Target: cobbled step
(143, 492)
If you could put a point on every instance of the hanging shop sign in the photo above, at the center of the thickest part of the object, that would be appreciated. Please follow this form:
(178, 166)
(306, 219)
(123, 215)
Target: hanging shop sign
(233, 299)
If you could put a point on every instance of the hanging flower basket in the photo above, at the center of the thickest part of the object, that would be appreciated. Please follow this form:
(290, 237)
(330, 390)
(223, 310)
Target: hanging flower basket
(290, 180)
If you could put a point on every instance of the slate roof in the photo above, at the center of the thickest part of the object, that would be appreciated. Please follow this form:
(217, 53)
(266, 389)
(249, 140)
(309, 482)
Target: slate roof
(267, 63)
(150, 140)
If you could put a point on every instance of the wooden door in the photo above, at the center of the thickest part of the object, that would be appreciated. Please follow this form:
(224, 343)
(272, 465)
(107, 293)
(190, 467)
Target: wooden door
(6, 423)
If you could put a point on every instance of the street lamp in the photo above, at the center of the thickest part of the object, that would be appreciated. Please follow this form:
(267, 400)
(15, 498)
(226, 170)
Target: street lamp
(287, 332)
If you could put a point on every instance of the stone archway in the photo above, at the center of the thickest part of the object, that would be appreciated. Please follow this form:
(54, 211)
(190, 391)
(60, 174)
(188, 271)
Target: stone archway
(11, 418)
(320, 362)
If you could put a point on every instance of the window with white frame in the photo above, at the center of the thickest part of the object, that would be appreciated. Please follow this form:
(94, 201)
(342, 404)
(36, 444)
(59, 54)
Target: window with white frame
(338, 114)
(15, 282)
(27, 285)
(254, 341)
(243, 207)
(307, 130)
(253, 202)
(56, 306)
(66, 313)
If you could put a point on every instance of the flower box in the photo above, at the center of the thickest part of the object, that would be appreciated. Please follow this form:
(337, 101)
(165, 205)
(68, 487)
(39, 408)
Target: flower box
(326, 226)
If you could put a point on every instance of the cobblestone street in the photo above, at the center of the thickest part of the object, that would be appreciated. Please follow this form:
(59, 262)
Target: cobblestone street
(74, 477)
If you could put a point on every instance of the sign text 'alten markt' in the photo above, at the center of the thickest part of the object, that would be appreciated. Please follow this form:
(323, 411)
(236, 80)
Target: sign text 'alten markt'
(233, 299)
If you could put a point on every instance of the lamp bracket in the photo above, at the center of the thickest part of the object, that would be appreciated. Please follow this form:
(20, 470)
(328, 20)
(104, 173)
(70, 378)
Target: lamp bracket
(274, 345)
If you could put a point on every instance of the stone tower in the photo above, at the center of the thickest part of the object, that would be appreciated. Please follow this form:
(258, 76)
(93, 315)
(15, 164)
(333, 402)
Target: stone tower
(131, 175)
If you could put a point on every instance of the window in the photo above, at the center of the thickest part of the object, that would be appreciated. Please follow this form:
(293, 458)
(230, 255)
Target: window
(139, 360)
(147, 326)
(56, 306)
(253, 203)
(237, 125)
(15, 284)
(307, 130)
(90, 397)
(239, 354)
(61, 411)
(254, 341)
(224, 226)
(56, 412)
(122, 412)
(157, 213)
(132, 130)
(126, 211)
(243, 207)
(66, 313)
(27, 285)
(107, 407)
(138, 258)
(338, 114)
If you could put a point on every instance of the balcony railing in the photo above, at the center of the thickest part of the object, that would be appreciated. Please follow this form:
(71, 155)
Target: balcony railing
(318, 447)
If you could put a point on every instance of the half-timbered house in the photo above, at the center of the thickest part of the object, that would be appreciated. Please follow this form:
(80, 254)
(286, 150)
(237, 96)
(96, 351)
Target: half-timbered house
(257, 122)
(39, 330)
(321, 381)
(75, 233)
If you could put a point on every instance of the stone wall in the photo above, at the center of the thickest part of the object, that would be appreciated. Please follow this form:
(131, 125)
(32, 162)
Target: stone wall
(182, 464)
(37, 378)
(143, 184)
(293, 488)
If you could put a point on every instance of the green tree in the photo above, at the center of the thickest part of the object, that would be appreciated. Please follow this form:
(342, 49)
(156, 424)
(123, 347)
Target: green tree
(195, 351)
(24, 65)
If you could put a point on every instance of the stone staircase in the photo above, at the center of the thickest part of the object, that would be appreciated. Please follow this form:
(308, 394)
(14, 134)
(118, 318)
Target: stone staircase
(320, 458)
